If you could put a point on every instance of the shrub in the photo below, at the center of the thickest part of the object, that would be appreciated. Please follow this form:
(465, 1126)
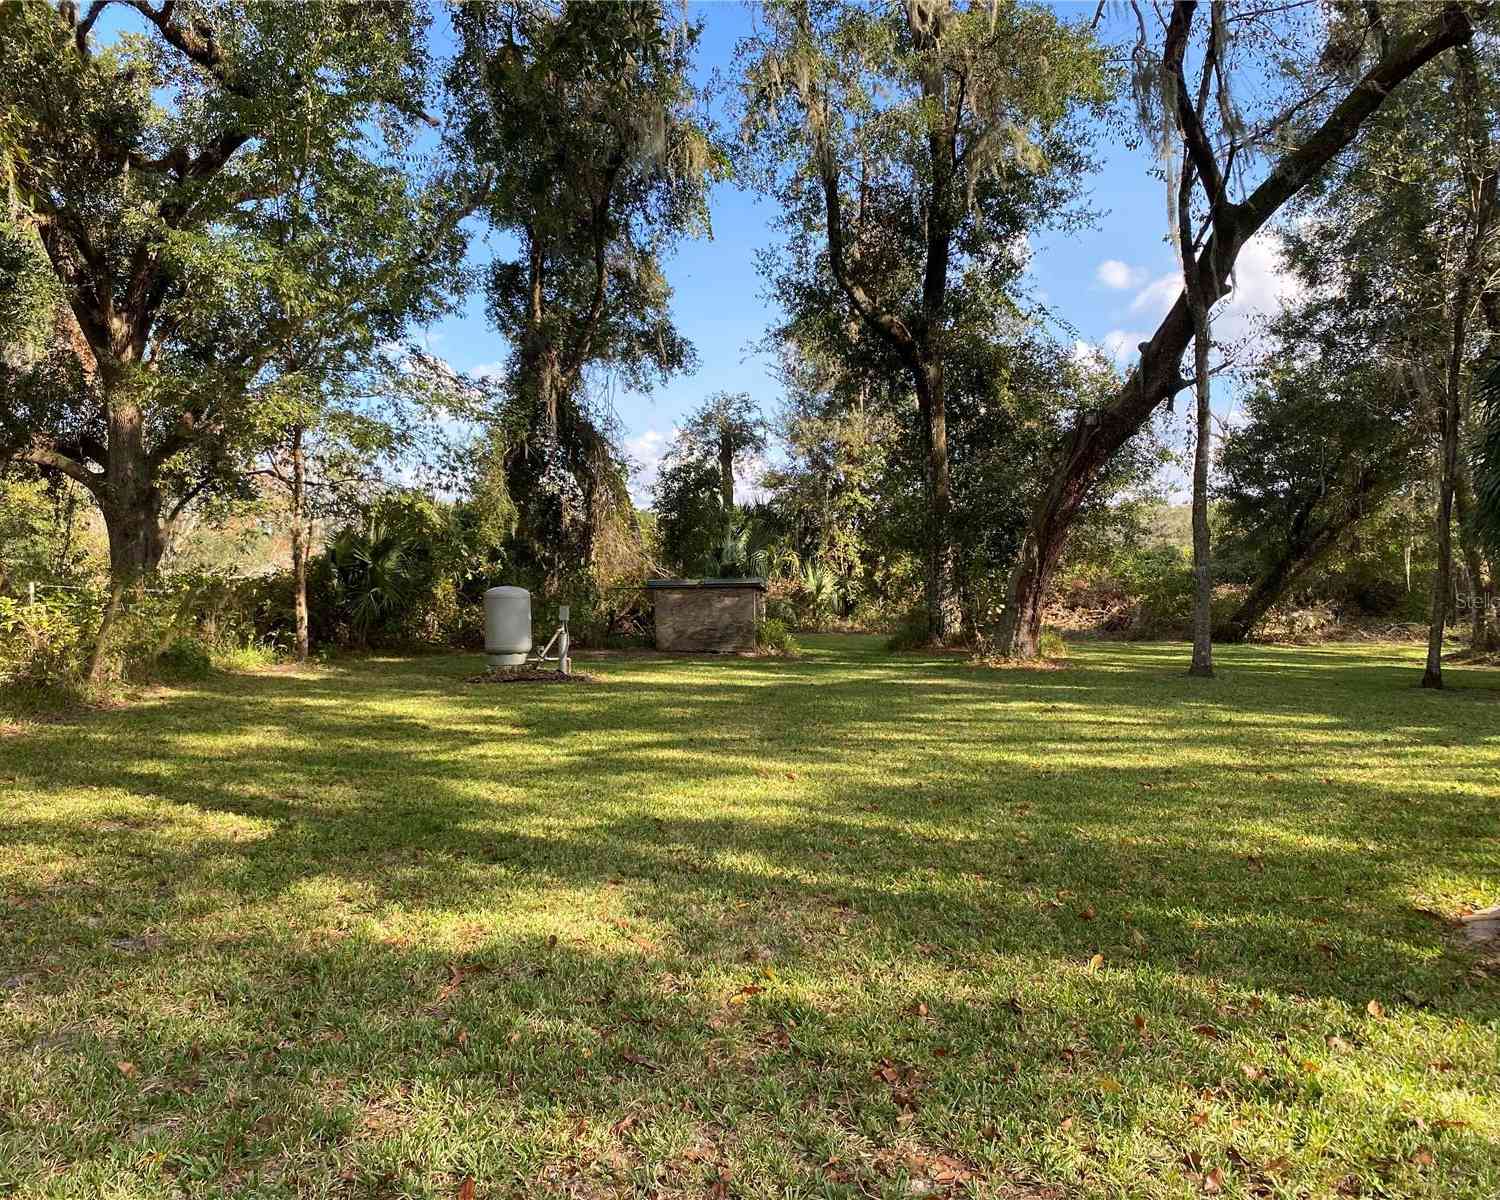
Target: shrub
(781, 608)
(42, 645)
(774, 637)
(184, 659)
(249, 656)
(626, 641)
(1052, 645)
(912, 634)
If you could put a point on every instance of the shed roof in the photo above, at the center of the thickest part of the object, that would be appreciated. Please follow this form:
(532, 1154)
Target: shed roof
(757, 583)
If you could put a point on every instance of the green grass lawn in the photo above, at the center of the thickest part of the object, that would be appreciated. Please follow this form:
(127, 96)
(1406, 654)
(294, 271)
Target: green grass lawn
(857, 925)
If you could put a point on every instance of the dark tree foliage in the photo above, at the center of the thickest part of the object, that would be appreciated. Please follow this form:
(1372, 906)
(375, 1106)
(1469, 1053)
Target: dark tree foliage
(1324, 444)
(701, 527)
(912, 147)
(161, 180)
(1486, 459)
(584, 118)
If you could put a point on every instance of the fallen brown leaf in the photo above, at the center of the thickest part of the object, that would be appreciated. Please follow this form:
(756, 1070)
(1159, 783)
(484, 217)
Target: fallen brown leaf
(624, 1124)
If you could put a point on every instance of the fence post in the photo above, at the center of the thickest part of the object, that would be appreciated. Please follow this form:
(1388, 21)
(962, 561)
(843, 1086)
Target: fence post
(31, 593)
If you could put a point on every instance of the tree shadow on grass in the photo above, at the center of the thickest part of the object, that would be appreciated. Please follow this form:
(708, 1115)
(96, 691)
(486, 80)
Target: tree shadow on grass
(314, 857)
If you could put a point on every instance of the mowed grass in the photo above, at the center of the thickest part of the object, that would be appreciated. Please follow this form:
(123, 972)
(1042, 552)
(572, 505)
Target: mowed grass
(854, 926)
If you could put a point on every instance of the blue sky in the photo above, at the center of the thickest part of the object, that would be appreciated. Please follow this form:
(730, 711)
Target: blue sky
(1111, 282)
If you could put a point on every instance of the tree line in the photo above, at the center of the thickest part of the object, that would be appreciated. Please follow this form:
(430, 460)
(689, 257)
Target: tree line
(222, 228)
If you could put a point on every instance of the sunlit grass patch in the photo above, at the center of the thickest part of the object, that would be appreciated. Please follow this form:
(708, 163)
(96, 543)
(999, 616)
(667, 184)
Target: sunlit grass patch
(849, 925)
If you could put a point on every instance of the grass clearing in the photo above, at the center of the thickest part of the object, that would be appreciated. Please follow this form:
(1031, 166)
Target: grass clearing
(855, 925)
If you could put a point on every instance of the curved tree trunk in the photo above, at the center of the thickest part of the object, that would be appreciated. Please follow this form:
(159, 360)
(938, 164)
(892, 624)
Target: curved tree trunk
(1268, 589)
(1306, 546)
(1157, 377)
(1442, 571)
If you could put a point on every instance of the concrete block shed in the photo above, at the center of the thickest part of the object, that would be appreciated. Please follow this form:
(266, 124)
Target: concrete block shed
(715, 615)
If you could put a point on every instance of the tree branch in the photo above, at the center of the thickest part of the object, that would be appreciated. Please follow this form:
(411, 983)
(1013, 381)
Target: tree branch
(196, 40)
(42, 455)
(1194, 137)
(1406, 56)
(81, 33)
(596, 304)
(885, 324)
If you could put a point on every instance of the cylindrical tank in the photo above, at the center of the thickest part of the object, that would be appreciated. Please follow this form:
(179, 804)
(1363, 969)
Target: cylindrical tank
(507, 626)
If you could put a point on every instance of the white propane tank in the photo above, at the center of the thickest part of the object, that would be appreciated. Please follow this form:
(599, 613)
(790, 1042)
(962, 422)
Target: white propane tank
(507, 626)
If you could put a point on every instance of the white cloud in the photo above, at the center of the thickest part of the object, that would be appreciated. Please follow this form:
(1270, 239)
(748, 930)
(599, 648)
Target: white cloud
(645, 452)
(492, 370)
(1121, 345)
(1117, 347)
(1158, 296)
(1260, 286)
(1119, 276)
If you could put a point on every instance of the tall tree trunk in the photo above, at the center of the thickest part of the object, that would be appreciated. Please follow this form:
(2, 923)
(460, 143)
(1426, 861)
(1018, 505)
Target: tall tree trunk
(1480, 189)
(726, 471)
(1442, 571)
(1487, 598)
(1203, 581)
(300, 531)
(921, 352)
(1198, 164)
(131, 504)
(941, 560)
(1449, 417)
